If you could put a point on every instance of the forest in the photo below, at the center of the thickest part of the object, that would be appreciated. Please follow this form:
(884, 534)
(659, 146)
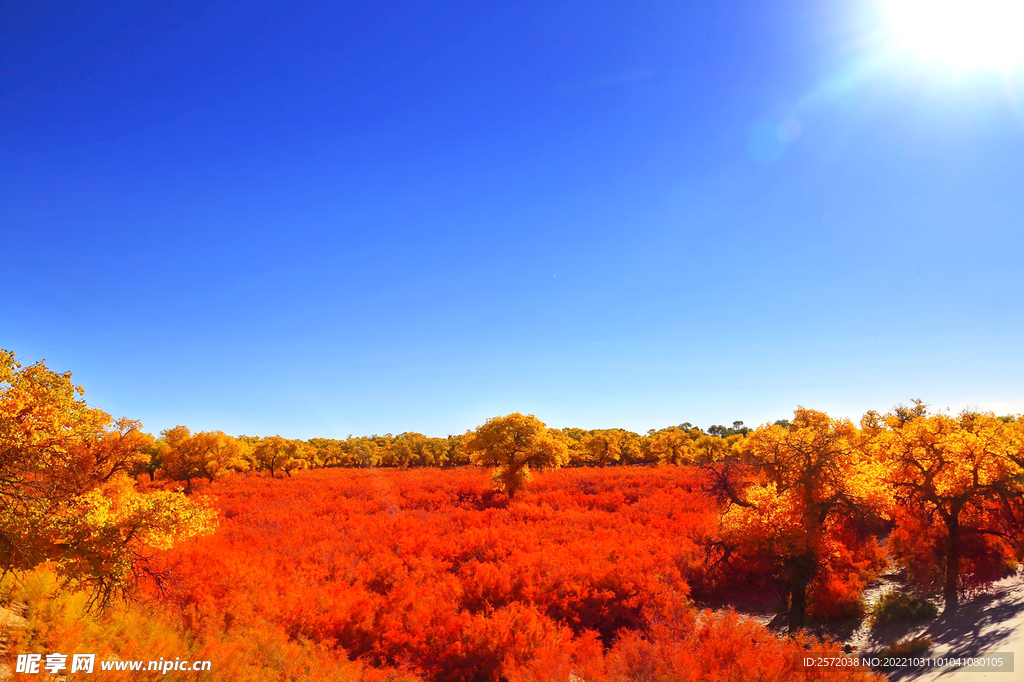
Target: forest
(514, 552)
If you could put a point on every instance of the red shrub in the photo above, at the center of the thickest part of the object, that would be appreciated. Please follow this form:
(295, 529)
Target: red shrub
(426, 571)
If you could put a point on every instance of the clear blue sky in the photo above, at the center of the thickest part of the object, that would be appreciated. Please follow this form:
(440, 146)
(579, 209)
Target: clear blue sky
(315, 218)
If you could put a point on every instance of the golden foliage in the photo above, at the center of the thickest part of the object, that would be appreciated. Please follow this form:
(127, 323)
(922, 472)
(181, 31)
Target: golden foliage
(65, 493)
(515, 444)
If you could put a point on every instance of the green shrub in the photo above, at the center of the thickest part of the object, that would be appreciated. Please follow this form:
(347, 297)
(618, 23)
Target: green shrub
(908, 646)
(894, 606)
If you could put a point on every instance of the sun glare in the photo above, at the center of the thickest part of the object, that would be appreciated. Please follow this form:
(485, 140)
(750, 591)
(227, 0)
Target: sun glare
(961, 33)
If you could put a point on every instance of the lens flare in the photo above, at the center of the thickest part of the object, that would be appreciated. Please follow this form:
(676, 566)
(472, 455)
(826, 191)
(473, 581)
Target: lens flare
(961, 34)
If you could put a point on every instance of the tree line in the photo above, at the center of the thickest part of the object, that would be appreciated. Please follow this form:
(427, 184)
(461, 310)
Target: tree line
(177, 454)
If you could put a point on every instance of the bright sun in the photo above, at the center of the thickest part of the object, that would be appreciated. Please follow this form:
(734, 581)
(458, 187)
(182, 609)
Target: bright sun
(961, 33)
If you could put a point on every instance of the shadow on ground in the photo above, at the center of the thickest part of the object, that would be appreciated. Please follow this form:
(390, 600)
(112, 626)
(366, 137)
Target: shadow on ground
(988, 623)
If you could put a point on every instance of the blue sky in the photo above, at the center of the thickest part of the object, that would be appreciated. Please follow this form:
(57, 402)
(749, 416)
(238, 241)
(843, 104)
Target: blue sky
(331, 218)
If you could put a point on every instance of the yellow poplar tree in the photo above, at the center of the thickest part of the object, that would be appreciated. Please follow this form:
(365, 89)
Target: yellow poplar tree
(207, 454)
(674, 445)
(515, 444)
(955, 479)
(65, 493)
(811, 477)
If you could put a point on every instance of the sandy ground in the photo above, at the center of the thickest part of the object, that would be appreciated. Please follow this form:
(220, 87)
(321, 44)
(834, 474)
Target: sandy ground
(986, 623)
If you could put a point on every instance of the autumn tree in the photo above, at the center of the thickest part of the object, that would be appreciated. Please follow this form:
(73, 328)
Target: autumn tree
(577, 453)
(707, 448)
(405, 450)
(810, 481)
(207, 454)
(414, 450)
(609, 446)
(955, 479)
(65, 493)
(515, 444)
(118, 449)
(365, 452)
(328, 451)
(455, 450)
(674, 445)
(434, 452)
(721, 431)
(274, 453)
(1010, 508)
(299, 455)
(150, 461)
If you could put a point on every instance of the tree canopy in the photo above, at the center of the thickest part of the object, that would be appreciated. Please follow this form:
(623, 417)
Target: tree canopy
(65, 493)
(515, 444)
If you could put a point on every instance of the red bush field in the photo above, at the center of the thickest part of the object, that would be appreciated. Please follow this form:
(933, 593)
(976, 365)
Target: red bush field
(431, 575)
(387, 558)
(383, 558)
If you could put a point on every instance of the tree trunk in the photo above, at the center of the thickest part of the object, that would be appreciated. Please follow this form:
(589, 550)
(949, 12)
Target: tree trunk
(797, 604)
(949, 592)
(799, 579)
